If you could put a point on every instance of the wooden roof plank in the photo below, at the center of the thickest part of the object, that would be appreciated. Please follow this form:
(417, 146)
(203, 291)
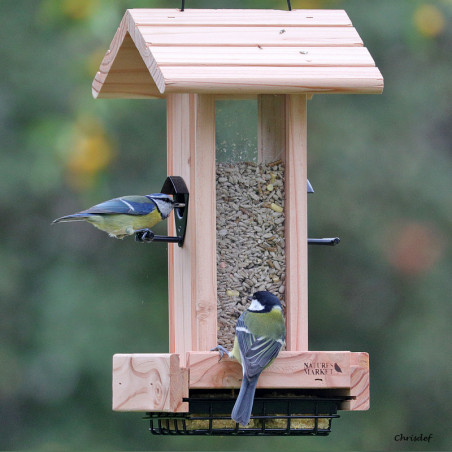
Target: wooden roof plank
(252, 36)
(245, 17)
(262, 56)
(273, 80)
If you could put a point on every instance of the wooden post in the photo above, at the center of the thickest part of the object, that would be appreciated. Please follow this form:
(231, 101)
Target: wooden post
(192, 268)
(296, 224)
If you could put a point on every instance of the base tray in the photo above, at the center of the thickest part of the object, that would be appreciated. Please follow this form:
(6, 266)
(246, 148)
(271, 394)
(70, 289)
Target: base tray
(160, 383)
(274, 413)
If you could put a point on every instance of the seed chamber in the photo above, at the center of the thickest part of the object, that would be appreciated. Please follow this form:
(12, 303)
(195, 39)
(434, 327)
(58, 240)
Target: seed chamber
(249, 215)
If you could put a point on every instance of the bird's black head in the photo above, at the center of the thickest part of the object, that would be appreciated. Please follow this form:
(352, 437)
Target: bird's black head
(263, 301)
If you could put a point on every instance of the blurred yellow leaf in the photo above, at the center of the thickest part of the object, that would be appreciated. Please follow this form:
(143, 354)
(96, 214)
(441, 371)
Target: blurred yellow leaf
(79, 9)
(91, 152)
(429, 20)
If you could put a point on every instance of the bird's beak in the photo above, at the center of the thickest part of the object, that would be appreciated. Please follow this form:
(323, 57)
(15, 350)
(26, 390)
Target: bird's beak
(250, 298)
(179, 204)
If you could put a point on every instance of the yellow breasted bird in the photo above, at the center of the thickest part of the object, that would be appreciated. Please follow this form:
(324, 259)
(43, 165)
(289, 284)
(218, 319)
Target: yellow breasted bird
(260, 333)
(127, 215)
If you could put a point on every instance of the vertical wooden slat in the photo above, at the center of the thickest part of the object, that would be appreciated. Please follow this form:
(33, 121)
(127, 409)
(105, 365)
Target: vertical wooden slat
(192, 268)
(203, 239)
(271, 136)
(296, 224)
(181, 125)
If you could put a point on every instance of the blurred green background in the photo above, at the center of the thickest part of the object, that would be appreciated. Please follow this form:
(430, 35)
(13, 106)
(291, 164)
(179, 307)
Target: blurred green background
(71, 297)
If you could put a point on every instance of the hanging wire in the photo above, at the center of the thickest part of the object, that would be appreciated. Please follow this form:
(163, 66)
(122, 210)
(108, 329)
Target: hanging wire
(183, 5)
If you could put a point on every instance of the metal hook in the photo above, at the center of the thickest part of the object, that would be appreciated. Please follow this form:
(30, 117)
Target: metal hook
(174, 185)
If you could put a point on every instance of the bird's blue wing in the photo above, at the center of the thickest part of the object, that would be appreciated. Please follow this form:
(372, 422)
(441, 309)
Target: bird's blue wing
(257, 352)
(127, 205)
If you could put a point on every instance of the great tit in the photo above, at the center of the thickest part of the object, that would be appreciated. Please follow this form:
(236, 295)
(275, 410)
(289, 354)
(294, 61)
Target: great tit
(127, 215)
(260, 333)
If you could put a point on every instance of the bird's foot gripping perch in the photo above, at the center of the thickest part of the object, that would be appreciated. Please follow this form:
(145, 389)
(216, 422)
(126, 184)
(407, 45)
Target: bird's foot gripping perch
(221, 350)
(144, 235)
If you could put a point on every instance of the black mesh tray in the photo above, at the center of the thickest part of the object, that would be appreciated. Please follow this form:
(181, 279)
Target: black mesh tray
(273, 414)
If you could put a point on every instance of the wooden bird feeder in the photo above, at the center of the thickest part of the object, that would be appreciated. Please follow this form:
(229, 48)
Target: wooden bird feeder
(194, 58)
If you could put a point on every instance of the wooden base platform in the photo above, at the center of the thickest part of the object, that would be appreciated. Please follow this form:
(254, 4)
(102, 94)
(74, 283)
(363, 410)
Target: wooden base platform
(157, 382)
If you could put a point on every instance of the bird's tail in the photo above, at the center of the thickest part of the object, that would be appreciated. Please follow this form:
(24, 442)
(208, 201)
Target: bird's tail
(244, 403)
(73, 217)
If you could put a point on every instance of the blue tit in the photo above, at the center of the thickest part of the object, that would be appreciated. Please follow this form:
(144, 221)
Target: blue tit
(127, 215)
(260, 333)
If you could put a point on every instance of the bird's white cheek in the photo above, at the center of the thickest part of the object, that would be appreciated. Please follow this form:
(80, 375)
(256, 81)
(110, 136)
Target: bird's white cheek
(256, 306)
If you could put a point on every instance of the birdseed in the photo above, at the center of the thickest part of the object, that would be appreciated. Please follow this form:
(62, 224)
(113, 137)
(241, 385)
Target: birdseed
(250, 238)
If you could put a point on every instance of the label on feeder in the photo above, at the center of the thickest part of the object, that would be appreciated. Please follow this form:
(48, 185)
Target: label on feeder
(310, 370)
(323, 368)
(289, 370)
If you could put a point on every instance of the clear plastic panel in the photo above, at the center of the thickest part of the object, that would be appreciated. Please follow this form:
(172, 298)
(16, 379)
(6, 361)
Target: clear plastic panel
(250, 216)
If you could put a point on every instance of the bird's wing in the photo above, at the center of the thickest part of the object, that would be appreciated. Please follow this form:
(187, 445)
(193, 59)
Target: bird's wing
(129, 205)
(257, 352)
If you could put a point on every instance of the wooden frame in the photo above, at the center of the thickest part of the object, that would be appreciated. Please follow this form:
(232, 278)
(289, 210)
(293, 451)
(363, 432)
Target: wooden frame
(191, 58)
(192, 270)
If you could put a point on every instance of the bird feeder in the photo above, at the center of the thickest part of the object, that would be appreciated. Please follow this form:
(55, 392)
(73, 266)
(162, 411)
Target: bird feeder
(246, 227)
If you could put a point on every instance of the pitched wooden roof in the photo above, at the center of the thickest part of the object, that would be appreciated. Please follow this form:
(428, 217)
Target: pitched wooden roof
(160, 51)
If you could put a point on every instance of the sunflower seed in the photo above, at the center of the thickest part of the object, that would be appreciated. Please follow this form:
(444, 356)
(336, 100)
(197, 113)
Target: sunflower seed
(250, 238)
